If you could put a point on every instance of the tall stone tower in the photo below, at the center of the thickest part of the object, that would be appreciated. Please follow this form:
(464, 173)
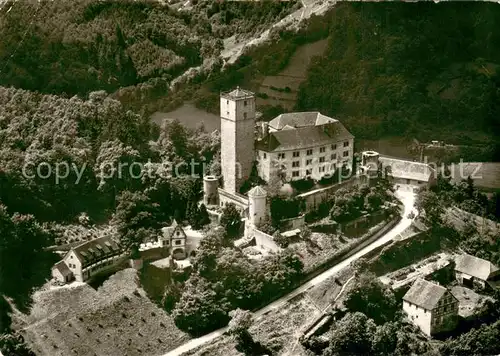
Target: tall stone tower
(237, 113)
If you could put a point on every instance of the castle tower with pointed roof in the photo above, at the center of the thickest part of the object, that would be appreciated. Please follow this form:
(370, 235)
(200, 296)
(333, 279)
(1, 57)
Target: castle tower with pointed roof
(237, 112)
(257, 205)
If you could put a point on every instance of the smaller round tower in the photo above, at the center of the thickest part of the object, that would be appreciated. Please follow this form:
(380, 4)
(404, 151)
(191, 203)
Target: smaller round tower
(210, 190)
(369, 160)
(257, 207)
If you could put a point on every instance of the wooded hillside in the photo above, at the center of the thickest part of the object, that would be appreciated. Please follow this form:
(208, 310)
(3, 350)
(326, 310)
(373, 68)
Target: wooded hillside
(74, 47)
(421, 69)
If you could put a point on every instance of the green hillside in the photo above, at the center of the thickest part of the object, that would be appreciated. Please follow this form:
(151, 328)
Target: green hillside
(78, 46)
(423, 70)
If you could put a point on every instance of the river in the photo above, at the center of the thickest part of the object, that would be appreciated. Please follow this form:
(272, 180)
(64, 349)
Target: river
(190, 116)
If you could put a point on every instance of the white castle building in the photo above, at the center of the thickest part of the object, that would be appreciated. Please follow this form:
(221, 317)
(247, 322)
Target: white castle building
(292, 146)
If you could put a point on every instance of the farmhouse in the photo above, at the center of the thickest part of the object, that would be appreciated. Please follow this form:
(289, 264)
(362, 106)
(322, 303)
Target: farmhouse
(403, 173)
(431, 307)
(87, 259)
(473, 271)
(407, 172)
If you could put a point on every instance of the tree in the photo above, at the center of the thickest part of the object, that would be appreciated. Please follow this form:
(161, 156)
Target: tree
(385, 339)
(23, 264)
(351, 335)
(10, 345)
(371, 297)
(281, 240)
(192, 214)
(171, 296)
(137, 219)
(480, 341)
(203, 217)
(200, 309)
(231, 220)
(241, 320)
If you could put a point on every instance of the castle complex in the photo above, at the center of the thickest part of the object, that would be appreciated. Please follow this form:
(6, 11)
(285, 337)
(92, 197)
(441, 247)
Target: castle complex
(290, 147)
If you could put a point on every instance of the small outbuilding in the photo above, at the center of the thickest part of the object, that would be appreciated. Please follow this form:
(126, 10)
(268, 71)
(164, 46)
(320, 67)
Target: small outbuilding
(473, 271)
(61, 272)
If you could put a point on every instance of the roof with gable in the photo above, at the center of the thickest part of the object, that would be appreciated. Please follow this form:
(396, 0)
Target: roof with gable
(425, 294)
(257, 191)
(96, 249)
(299, 119)
(302, 130)
(474, 266)
(237, 93)
(62, 267)
(168, 231)
(407, 169)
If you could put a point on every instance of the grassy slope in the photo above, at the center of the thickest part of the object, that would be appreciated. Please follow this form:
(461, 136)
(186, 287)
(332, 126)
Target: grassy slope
(114, 320)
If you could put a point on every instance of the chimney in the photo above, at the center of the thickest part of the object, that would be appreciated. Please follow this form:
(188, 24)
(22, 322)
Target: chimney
(265, 128)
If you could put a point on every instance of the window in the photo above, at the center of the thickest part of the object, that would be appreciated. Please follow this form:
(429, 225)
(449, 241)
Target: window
(408, 181)
(264, 155)
(296, 154)
(308, 162)
(295, 173)
(346, 144)
(308, 172)
(322, 169)
(322, 159)
(227, 113)
(244, 115)
(345, 154)
(227, 102)
(334, 147)
(281, 155)
(333, 156)
(309, 152)
(296, 164)
(245, 103)
(177, 242)
(178, 233)
(321, 149)
(71, 256)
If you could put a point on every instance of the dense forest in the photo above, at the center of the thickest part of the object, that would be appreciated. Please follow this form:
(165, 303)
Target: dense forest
(62, 47)
(426, 70)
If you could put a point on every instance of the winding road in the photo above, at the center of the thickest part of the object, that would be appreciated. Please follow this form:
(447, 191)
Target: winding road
(406, 197)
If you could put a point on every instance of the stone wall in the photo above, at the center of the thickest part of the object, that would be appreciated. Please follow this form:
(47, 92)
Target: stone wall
(314, 198)
(263, 240)
(293, 223)
(239, 200)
